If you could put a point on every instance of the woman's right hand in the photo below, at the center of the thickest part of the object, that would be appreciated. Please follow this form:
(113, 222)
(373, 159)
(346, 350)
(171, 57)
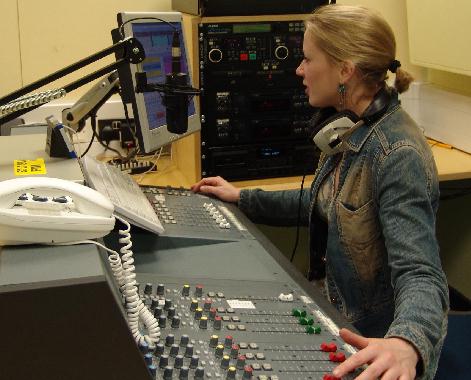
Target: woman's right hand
(218, 187)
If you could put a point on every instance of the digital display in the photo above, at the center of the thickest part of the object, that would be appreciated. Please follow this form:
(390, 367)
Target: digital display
(251, 28)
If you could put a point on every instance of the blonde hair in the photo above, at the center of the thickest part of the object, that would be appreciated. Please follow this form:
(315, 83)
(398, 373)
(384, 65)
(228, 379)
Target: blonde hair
(358, 34)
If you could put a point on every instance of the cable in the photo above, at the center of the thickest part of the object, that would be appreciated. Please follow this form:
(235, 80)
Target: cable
(120, 29)
(31, 100)
(125, 275)
(158, 153)
(124, 272)
(299, 218)
(92, 139)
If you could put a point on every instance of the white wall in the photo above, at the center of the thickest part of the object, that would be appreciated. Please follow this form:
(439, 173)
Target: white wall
(45, 36)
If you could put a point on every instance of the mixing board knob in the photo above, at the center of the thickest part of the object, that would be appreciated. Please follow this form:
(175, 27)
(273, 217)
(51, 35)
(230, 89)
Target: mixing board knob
(329, 377)
(328, 347)
(153, 370)
(159, 349)
(168, 373)
(213, 341)
(194, 361)
(163, 361)
(219, 351)
(171, 312)
(184, 340)
(337, 357)
(313, 329)
(199, 373)
(207, 304)
(160, 289)
(217, 323)
(178, 361)
(298, 313)
(193, 305)
(168, 304)
(204, 322)
(148, 289)
(234, 351)
(169, 340)
(174, 350)
(198, 290)
(144, 347)
(162, 321)
(248, 371)
(184, 373)
(175, 322)
(225, 362)
(154, 303)
(186, 290)
(148, 358)
(158, 312)
(231, 373)
(212, 313)
(305, 321)
(240, 362)
(198, 313)
(228, 341)
(189, 351)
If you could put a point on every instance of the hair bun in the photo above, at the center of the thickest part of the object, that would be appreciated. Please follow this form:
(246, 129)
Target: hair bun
(394, 65)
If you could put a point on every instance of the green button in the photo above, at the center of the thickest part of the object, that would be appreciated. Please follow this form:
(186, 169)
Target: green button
(253, 56)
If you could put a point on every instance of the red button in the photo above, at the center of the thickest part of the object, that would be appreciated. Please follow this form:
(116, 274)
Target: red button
(329, 377)
(328, 347)
(244, 57)
(337, 357)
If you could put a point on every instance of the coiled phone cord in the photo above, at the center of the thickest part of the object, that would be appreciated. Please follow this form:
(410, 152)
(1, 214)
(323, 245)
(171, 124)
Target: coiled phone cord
(124, 271)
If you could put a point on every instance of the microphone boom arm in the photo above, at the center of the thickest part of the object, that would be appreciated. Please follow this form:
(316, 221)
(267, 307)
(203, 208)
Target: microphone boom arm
(132, 52)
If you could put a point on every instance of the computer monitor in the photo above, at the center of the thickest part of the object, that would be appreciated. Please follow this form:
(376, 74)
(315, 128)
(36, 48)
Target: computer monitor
(148, 109)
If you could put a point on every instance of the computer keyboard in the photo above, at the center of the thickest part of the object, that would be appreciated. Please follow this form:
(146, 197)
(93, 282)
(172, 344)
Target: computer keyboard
(126, 195)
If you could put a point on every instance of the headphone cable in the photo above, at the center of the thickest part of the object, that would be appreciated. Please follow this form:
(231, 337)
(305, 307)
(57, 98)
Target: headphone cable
(299, 217)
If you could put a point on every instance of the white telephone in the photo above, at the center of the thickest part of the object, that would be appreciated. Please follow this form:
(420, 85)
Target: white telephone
(51, 210)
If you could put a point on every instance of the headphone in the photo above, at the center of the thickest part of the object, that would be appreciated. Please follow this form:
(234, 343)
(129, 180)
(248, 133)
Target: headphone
(331, 128)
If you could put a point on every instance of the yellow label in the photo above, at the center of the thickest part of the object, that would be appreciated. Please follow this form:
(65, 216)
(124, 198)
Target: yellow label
(28, 167)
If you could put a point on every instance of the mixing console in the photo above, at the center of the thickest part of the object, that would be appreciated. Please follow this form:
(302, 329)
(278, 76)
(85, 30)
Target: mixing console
(186, 214)
(229, 305)
(239, 330)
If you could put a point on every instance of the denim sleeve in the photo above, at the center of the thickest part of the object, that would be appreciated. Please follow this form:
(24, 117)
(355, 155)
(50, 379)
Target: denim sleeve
(276, 208)
(407, 189)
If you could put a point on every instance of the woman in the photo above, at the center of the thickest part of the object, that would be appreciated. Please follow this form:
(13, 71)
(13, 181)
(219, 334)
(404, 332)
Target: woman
(372, 205)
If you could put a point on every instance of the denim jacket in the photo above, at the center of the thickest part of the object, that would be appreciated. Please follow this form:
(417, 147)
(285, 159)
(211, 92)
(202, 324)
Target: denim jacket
(378, 253)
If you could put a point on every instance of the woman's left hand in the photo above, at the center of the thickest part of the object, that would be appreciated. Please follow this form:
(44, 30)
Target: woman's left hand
(387, 358)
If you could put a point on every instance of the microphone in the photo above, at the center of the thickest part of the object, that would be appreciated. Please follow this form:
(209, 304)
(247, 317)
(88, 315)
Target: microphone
(175, 100)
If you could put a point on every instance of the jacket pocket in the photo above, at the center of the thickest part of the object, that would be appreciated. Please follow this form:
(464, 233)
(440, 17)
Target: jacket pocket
(360, 234)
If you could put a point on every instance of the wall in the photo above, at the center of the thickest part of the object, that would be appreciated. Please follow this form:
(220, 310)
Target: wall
(47, 35)
(394, 11)
(10, 60)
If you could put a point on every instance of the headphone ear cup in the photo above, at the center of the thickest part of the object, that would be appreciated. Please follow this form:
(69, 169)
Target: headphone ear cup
(328, 134)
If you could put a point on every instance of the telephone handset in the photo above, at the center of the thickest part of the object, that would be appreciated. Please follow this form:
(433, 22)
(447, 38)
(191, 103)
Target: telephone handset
(51, 210)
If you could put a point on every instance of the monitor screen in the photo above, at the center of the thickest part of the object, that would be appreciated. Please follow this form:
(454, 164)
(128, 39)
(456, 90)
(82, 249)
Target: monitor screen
(148, 110)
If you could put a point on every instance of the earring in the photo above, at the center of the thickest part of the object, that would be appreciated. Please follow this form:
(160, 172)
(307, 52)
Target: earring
(342, 90)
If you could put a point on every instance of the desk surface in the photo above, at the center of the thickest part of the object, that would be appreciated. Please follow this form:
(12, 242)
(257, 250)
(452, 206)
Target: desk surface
(452, 164)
